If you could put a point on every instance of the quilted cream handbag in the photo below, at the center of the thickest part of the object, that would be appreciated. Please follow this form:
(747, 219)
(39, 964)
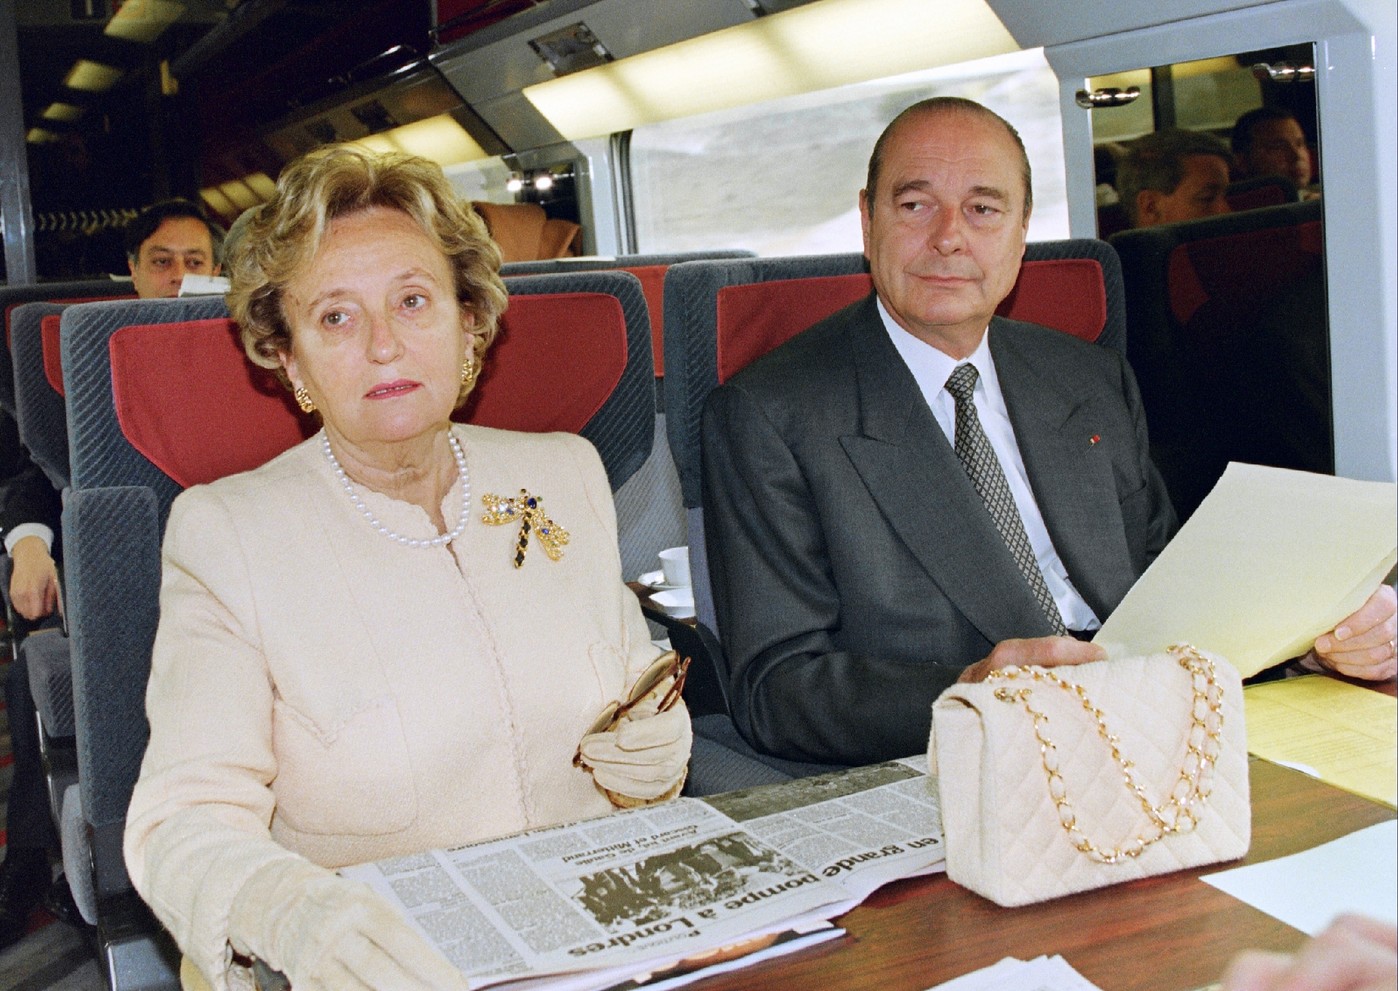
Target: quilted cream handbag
(1056, 780)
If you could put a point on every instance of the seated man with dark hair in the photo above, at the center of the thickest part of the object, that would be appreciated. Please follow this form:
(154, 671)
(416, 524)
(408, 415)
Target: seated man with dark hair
(168, 240)
(1172, 175)
(1270, 141)
(914, 491)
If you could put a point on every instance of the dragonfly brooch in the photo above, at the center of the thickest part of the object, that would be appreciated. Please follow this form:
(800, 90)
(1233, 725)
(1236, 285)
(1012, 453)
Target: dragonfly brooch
(528, 512)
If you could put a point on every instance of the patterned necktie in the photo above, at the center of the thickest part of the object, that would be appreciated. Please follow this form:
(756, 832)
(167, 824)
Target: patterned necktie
(978, 458)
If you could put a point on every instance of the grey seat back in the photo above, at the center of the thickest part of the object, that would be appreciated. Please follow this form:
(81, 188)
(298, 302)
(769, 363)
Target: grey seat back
(52, 292)
(39, 405)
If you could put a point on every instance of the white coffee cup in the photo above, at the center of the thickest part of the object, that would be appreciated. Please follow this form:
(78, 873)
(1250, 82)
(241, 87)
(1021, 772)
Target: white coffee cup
(674, 564)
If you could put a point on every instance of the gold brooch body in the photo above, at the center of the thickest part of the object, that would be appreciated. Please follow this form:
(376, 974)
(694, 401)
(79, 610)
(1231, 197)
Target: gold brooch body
(528, 512)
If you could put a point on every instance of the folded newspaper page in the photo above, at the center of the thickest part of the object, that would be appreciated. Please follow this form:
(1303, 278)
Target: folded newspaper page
(598, 903)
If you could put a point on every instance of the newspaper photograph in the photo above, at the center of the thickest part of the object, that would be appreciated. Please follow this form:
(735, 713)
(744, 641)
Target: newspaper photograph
(602, 902)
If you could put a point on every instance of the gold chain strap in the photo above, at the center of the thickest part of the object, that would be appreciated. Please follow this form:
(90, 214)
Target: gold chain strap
(1177, 814)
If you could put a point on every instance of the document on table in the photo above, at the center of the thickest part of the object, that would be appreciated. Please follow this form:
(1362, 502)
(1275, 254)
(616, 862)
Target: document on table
(1345, 734)
(1040, 974)
(1271, 559)
(1356, 873)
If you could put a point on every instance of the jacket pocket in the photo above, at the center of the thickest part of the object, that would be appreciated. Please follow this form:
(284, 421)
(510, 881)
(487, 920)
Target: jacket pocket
(351, 777)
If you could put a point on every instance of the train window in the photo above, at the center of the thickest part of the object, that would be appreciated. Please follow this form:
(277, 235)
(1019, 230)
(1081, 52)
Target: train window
(1206, 95)
(1234, 308)
(782, 177)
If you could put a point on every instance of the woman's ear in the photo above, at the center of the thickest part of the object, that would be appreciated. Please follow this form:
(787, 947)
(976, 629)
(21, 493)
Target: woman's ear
(468, 329)
(288, 363)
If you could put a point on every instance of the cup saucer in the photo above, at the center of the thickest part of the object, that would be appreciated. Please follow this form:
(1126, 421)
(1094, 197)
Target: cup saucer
(655, 580)
(678, 603)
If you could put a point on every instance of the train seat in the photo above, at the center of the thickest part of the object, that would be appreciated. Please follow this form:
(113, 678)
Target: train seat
(724, 314)
(1260, 191)
(648, 268)
(39, 407)
(145, 396)
(524, 232)
(650, 511)
(1229, 342)
(12, 297)
(539, 353)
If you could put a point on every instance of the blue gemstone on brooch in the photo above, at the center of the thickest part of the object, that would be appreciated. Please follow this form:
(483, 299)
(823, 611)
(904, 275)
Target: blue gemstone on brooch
(532, 503)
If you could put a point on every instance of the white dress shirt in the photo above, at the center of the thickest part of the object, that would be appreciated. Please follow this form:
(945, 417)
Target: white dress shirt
(931, 368)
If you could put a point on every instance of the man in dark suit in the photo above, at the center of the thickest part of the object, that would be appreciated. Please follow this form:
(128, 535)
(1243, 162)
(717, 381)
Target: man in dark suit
(29, 509)
(865, 551)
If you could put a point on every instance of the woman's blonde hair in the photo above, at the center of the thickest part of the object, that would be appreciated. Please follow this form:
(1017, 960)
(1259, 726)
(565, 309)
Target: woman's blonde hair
(287, 231)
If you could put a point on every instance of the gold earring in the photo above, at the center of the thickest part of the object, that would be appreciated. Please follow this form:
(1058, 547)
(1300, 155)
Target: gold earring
(469, 369)
(303, 399)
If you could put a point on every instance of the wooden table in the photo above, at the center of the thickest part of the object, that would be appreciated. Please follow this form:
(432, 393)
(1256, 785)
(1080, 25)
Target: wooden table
(1169, 933)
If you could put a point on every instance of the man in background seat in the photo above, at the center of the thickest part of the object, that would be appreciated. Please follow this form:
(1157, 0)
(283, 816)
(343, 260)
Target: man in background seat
(1173, 175)
(858, 570)
(1270, 141)
(167, 241)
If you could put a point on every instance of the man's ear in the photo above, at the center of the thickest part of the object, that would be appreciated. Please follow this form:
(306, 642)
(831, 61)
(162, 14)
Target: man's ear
(1148, 207)
(864, 208)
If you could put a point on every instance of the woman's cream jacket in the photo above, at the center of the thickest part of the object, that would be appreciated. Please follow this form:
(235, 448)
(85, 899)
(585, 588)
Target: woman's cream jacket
(320, 691)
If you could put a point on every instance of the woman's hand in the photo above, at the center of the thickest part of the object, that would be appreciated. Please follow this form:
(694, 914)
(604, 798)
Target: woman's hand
(643, 758)
(327, 933)
(1362, 645)
(1354, 953)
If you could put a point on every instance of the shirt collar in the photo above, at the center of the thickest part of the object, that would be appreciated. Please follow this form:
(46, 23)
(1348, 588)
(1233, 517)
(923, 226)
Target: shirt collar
(930, 365)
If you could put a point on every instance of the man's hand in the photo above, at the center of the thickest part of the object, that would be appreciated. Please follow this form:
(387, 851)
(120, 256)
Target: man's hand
(34, 581)
(1362, 646)
(1354, 953)
(1048, 652)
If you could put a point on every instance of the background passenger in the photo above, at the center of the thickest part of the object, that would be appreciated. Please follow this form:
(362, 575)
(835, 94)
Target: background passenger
(351, 664)
(1172, 175)
(29, 508)
(163, 242)
(1270, 141)
(915, 491)
(167, 240)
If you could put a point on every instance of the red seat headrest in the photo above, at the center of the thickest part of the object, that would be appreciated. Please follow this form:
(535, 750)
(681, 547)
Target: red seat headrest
(1067, 294)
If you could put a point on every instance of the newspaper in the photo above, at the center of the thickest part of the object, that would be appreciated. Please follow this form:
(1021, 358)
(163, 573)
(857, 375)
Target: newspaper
(608, 902)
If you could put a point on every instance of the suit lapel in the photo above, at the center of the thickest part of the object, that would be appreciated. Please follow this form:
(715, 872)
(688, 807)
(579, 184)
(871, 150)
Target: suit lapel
(1071, 474)
(914, 477)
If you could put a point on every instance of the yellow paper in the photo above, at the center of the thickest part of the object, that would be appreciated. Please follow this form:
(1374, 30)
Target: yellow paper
(1346, 734)
(1271, 559)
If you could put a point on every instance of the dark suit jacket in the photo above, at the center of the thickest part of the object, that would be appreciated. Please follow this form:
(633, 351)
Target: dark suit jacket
(855, 570)
(26, 495)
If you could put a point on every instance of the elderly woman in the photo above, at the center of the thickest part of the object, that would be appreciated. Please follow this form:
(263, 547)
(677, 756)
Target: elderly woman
(352, 661)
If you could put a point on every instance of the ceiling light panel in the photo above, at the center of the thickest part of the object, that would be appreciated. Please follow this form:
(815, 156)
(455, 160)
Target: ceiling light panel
(818, 46)
(143, 21)
(92, 77)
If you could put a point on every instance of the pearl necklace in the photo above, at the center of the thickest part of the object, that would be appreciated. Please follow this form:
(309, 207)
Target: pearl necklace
(439, 541)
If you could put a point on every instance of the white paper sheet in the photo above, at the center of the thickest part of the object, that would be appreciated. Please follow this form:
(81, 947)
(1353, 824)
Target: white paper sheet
(1271, 559)
(1040, 974)
(1356, 873)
